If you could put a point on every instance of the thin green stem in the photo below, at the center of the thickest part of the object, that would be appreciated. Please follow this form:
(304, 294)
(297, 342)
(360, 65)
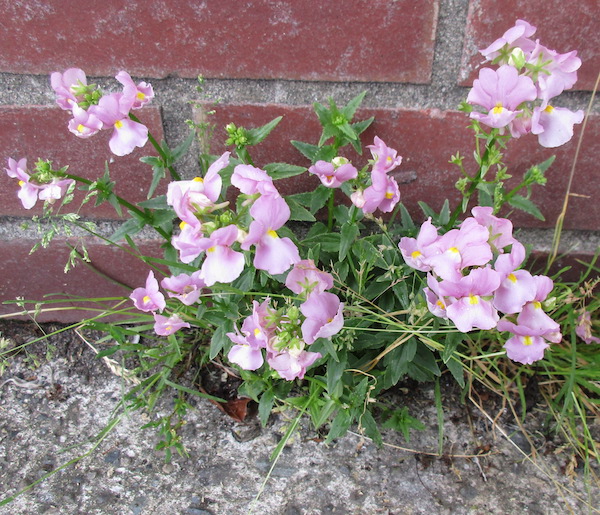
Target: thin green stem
(483, 167)
(330, 207)
(126, 204)
(174, 175)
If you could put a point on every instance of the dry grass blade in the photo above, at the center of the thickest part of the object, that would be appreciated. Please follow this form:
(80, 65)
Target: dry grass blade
(561, 217)
(112, 365)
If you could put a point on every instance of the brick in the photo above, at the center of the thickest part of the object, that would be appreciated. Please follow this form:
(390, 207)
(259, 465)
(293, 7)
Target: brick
(426, 139)
(35, 276)
(361, 40)
(560, 26)
(41, 132)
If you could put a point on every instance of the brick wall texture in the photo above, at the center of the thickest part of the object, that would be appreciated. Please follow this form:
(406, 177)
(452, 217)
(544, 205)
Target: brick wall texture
(262, 59)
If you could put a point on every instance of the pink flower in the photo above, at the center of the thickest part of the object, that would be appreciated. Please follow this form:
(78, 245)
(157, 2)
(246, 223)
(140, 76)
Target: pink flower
(500, 92)
(435, 300)
(324, 317)
(251, 180)
(139, 95)
(199, 194)
(559, 71)
(189, 242)
(306, 278)
(518, 286)
(333, 176)
(113, 111)
(244, 353)
(273, 254)
(222, 264)
(386, 158)
(459, 249)
(30, 190)
(500, 229)
(517, 36)
(64, 85)
(584, 328)
(259, 325)
(292, 363)
(383, 194)
(415, 251)
(514, 292)
(148, 298)
(84, 124)
(164, 326)
(472, 309)
(186, 288)
(554, 125)
(526, 345)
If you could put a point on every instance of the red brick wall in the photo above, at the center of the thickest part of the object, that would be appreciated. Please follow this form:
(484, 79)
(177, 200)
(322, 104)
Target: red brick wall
(416, 60)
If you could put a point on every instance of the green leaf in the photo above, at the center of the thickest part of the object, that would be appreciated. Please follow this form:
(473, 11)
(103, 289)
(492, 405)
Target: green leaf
(329, 242)
(401, 421)
(451, 343)
(457, 370)
(319, 197)
(180, 150)
(370, 426)
(427, 210)
(335, 370)
(130, 227)
(283, 170)
(425, 359)
(219, 340)
(306, 149)
(339, 426)
(524, 204)
(326, 153)
(258, 134)
(348, 234)
(350, 108)
(444, 217)
(265, 406)
(299, 213)
(159, 202)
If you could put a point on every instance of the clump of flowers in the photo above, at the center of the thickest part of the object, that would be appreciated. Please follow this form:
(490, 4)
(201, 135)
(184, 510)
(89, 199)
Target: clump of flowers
(265, 298)
(518, 95)
(94, 110)
(43, 183)
(473, 274)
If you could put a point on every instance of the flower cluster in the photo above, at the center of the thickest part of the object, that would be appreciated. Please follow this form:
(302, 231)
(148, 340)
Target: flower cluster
(382, 192)
(93, 111)
(517, 95)
(285, 333)
(44, 183)
(473, 274)
(187, 288)
(216, 238)
(209, 229)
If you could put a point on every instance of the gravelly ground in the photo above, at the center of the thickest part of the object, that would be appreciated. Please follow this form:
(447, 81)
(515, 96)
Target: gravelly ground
(48, 407)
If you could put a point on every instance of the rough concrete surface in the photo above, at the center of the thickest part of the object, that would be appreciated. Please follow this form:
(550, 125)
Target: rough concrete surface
(51, 410)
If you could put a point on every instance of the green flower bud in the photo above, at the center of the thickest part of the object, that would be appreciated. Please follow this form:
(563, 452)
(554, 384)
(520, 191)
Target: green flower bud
(339, 161)
(517, 58)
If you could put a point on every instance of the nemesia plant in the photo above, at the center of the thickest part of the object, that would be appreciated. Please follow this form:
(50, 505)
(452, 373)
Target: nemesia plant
(353, 304)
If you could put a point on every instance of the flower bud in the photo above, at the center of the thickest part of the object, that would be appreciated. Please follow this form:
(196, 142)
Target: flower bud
(517, 58)
(339, 161)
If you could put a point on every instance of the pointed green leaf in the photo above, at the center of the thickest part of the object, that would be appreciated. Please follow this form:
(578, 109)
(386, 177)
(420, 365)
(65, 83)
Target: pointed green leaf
(306, 149)
(258, 134)
(524, 204)
(299, 213)
(350, 108)
(348, 234)
(283, 170)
